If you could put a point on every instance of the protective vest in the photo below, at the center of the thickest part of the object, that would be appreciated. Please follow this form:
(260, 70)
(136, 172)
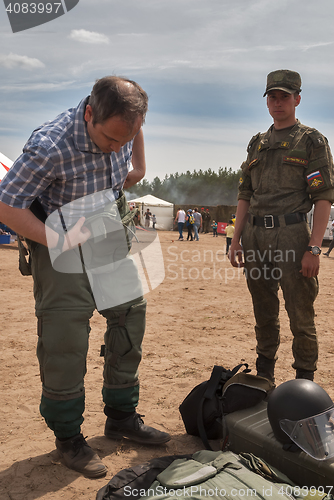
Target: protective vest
(222, 475)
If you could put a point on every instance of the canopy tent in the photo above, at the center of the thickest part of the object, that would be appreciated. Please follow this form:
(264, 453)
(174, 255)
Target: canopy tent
(163, 210)
(5, 164)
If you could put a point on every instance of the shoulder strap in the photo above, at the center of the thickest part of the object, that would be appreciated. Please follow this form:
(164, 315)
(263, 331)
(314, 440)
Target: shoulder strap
(230, 373)
(209, 393)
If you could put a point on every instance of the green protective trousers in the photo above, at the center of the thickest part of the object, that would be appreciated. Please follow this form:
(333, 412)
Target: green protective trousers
(64, 305)
(272, 260)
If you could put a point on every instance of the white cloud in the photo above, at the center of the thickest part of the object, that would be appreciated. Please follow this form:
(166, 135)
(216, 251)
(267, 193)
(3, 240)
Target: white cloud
(89, 37)
(316, 45)
(14, 61)
(38, 86)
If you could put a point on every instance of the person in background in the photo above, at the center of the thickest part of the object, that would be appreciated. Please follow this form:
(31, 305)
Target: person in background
(190, 224)
(180, 219)
(197, 224)
(331, 245)
(229, 231)
(214, 226)
(147, 217)
(207, 221)
(203, 214)
(154, 220)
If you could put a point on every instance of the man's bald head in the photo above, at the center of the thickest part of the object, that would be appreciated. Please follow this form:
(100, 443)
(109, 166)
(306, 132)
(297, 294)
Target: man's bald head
(117, 96)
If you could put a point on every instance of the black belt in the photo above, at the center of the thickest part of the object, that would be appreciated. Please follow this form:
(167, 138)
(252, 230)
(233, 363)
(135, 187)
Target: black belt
(270, 221)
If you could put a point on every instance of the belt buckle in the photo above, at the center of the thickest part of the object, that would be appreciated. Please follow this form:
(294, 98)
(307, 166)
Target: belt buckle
(270, 224)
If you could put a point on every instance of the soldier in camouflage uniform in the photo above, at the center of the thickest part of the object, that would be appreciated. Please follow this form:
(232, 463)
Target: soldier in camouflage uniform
(288, 169)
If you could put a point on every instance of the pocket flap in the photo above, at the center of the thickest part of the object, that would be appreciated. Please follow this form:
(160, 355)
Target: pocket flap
(183, 472)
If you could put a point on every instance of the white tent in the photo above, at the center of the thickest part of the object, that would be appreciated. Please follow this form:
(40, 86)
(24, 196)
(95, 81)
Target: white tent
(5, 164)
(163, 210)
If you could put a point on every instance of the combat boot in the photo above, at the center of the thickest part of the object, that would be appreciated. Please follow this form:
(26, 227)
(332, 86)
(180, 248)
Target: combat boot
(307, 374)
(265, 368)
(134, 428)
(79, 456)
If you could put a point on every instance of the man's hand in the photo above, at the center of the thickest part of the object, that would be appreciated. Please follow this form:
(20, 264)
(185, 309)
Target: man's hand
(235, 254)
(77, 235)
(310, 265)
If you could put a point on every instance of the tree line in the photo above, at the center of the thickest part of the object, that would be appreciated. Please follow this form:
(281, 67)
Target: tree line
(198, 187)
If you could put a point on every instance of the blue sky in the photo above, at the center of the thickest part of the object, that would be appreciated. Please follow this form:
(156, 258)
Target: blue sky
(203, 64)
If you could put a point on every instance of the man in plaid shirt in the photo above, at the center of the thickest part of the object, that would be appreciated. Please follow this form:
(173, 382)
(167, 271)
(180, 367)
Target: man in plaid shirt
(85, 150)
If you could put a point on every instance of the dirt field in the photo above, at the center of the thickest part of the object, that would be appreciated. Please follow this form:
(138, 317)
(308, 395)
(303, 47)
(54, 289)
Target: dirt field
(199, 316)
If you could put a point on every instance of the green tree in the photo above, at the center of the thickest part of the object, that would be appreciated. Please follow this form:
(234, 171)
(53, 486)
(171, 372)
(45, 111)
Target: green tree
(205, 187)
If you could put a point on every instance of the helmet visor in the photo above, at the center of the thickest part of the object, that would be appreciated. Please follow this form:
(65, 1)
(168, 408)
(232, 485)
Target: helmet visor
(314, 435)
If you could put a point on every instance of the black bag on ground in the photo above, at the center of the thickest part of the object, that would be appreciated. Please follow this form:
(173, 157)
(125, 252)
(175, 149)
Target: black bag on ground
(226, 391)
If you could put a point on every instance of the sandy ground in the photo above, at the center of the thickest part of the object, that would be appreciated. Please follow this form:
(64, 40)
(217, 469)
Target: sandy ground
(199, 316)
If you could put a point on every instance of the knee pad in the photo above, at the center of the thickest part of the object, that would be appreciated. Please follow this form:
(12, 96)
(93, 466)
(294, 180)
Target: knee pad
(123, 339)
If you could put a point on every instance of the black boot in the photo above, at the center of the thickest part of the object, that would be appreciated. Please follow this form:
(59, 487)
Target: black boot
(134, 428)
(77, 455)
(265, 367)
(308, 375)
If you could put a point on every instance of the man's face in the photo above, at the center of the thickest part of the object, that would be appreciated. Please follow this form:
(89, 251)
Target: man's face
(282, 107)
(113, 133)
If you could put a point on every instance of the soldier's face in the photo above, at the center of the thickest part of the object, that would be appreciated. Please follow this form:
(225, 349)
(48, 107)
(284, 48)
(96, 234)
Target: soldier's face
(282, 107)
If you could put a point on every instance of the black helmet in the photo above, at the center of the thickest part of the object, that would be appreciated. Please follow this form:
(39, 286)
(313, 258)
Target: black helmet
(302, 412)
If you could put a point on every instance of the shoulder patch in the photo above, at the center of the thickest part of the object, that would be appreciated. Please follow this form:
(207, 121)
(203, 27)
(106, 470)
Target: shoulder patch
(315, 180)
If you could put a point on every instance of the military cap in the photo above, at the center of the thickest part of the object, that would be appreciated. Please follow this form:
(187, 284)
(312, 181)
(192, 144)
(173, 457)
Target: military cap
(283, 79)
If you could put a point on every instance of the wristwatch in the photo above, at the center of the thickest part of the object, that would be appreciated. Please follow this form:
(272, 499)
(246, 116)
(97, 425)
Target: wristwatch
(314, 250)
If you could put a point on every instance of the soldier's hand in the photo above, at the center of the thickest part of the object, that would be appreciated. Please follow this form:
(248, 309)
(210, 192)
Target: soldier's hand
(310, 265)
(235, 255)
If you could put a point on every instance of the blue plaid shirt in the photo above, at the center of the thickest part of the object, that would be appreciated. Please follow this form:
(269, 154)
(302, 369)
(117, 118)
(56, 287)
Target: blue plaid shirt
(60, 163)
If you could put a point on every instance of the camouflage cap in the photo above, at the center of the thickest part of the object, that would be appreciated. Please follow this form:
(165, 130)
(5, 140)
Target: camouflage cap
(283, 79)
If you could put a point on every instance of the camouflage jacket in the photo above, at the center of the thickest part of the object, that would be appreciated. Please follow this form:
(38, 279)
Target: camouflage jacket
(287, 176)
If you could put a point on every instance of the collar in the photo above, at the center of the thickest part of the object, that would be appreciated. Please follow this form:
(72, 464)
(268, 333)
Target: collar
(286, 144)
(81, 138)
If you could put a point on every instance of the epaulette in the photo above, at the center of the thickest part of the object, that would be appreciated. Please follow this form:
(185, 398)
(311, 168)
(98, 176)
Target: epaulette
(317, 138)
(251, 142)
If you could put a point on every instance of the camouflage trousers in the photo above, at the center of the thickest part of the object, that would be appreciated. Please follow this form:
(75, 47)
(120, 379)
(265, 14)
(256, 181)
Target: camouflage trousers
(272, 260)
